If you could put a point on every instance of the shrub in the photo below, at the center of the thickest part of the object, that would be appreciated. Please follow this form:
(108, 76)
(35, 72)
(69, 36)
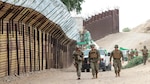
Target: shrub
(126, 30)
(134, 62)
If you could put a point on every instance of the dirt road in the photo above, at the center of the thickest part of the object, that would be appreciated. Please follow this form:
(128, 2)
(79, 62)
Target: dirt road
(137, 75)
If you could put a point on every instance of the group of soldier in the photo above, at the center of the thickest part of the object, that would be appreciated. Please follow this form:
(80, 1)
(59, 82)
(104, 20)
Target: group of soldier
(94, 60)
(134, 53)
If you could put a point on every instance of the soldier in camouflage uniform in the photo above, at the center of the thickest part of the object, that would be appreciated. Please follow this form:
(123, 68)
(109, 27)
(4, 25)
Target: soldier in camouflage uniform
(129, 56)
(136, 52)
(78, 58)
(116, 55)
(94, 60)
(145, 54)
(132, 54)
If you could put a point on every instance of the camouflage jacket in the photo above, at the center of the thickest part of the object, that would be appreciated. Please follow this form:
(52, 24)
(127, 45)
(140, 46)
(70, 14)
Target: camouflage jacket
(94, 55)
(78, 55)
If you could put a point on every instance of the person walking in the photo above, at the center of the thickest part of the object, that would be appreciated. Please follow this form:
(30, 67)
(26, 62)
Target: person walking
(94, 60)
(145, 54)
(77, 60)
(116, 54)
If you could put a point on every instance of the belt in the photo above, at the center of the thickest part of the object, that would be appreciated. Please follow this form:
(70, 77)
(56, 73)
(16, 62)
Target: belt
(93, 58)
(116, 58)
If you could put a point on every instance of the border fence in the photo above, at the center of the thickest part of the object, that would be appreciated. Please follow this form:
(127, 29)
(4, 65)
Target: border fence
(103, 24)
(31, 42)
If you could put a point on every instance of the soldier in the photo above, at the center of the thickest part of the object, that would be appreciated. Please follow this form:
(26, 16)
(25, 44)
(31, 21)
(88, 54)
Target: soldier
(132, 54)
(145, 54)
(136, 52)
(78, 58)
(94, 59)
(116, 55)
(129, 56)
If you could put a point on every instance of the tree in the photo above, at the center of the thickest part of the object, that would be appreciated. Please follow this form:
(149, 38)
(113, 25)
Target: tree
(73, 5)
(126, 30)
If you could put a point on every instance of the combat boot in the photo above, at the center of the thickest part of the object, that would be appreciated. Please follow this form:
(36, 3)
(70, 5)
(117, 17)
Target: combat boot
(119, 74)
(93, 77)
(96, 75)
(116, 73)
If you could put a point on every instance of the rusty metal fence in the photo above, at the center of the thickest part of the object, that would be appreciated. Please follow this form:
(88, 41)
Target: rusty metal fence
(30, 42)
(103, 24)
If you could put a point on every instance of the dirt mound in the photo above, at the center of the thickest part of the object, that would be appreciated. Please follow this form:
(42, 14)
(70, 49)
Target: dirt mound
(125, 39)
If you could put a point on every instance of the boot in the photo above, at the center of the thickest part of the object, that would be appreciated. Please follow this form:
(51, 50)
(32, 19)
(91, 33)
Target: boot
(96, 75)
(119, 74)
(78, 78)
(116, 73)
(93, 77)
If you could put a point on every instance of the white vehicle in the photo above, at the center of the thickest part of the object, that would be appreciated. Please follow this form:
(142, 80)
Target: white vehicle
(85, 65)
(104, 60)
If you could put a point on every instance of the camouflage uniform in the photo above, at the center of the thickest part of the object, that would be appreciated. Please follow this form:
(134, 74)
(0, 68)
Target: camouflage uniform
(129, 56)
(78, 58)
(145, 54)
(116, 55)
(132, 54)
(136, 52)
(94, 57)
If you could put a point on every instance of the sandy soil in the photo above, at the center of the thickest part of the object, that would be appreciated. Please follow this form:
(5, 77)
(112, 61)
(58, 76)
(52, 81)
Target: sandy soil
(137, 75)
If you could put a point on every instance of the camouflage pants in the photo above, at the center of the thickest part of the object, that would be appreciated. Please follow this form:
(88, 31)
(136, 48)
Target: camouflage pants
(78, 67)
(129, 58)
(117, 65)
(144, 59)
(94, 67)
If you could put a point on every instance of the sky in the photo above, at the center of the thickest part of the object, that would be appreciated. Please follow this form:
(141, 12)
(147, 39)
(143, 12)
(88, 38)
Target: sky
(131, 12)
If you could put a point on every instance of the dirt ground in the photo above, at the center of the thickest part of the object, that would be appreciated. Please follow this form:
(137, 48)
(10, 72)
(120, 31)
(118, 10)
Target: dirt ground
(137, 75)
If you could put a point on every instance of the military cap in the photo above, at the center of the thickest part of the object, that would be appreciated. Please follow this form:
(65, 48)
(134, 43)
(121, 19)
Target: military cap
(116, 46)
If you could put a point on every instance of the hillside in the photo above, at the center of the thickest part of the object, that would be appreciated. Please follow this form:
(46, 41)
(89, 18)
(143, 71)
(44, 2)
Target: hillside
(125, 39)
(143, 28)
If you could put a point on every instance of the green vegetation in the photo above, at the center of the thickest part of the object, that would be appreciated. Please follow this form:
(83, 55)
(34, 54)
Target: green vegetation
(73, 5)
(126, 29)
(134, 62)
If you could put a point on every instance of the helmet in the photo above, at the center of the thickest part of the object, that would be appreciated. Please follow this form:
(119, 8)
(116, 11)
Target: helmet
(116, 46)
(77, 46)
(92, 45)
